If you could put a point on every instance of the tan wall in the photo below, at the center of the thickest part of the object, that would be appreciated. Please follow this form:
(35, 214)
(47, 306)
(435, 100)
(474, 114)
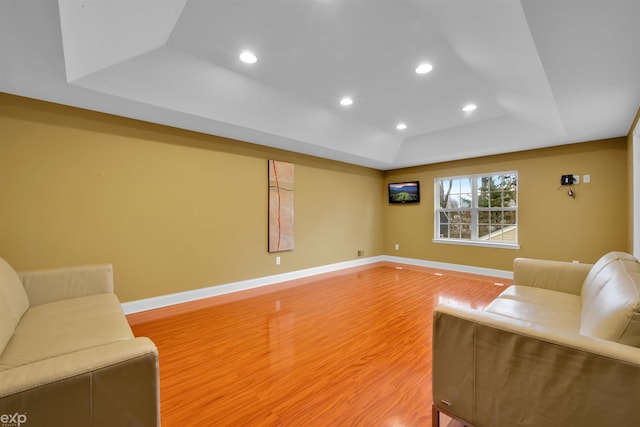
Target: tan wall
(175, 210)
(172, 210)
(551, 224)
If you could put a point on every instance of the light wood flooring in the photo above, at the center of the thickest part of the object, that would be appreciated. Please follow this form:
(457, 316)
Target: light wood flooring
(349, 348)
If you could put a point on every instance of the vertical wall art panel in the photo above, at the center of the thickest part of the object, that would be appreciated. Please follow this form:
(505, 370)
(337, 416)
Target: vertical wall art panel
(280, 206)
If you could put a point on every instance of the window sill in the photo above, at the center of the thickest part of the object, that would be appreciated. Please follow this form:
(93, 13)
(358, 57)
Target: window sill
(500, 245)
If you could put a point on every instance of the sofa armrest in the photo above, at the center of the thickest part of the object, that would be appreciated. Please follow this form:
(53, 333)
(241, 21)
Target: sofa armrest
(490, 370)
(44, 286)
(112, 384)
(553, 275)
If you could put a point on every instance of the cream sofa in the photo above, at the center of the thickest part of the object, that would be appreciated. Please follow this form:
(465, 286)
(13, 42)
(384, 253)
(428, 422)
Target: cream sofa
(67, 354)
(559, 348)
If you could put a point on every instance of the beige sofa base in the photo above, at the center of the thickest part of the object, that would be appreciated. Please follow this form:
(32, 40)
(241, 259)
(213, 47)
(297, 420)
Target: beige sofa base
(72, 359)
(119, 394)
(527, 359)
(508, 374)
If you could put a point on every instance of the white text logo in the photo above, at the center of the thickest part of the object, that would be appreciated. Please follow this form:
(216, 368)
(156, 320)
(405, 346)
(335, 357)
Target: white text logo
(12, 420)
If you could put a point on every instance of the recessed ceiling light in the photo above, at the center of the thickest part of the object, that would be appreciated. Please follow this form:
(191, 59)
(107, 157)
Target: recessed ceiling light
(424, 68)
(248, 57)
(469, 107)
(346, 101)
(401, 126)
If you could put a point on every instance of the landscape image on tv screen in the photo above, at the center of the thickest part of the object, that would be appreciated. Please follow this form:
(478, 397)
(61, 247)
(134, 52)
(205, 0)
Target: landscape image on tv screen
(404, 192)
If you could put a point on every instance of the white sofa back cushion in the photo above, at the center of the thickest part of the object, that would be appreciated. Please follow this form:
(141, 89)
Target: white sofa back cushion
(611, 300)
(13, 302)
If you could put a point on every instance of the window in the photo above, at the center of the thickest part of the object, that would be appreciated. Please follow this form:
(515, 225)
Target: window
(477, 209)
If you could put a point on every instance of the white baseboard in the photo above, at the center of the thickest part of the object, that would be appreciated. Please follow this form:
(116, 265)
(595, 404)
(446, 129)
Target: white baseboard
(211, 291)
(505, 274)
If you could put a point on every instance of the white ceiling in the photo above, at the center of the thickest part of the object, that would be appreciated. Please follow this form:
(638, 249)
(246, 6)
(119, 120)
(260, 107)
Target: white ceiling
(542, 72)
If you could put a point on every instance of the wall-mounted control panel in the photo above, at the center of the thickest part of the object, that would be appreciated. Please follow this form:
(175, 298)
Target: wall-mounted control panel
(574, 179)
(569, 179)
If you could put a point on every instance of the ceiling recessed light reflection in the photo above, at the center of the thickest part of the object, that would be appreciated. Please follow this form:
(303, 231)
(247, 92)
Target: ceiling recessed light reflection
(401, 126)
(469, 107)
(248, 57)
(346, 101)
(424, 68)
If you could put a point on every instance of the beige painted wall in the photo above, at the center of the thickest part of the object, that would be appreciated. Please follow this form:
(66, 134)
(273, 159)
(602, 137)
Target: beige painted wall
(175, 210)
(551, 224)
(172, 210)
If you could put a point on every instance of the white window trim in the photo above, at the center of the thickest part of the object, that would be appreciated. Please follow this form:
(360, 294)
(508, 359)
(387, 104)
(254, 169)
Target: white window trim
(486, 244)
(470, 242)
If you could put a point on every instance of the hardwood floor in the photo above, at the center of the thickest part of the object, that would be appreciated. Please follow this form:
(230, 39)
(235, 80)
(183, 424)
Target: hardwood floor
(350, 348)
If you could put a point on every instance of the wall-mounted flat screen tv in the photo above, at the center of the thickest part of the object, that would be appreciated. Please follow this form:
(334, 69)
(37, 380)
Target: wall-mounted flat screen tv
(404, 192)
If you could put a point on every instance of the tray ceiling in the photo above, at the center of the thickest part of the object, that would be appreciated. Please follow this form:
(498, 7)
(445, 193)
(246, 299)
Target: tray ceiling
(541, 73)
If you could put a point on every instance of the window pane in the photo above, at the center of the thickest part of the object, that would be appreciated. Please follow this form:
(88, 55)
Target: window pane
(509, 217)
(483, 192)
(505, 234)
(444, 231)
(455, 186)
(483, 232)
(465, 230)
(484, 183)
(454, 201)
(496, 235)
(444, 189)
(444, 217)
(495, 199)
(458, 217)
(466, 200)
(465, 185)
(510, 234)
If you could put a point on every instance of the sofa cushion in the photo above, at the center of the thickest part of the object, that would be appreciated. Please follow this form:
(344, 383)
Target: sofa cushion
(7, 324)
(13, 302)
(611, 302)
(65, 326)
(600, 273)
(540, 296)
(542, 308)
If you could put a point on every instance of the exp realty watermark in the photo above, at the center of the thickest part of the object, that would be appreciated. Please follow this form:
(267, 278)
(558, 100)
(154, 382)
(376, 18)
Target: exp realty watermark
(12, 420)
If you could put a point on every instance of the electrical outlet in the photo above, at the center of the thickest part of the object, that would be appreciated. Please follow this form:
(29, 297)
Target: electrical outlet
(586, 179)
(397, 247)
(277, 260)
(576, 179)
